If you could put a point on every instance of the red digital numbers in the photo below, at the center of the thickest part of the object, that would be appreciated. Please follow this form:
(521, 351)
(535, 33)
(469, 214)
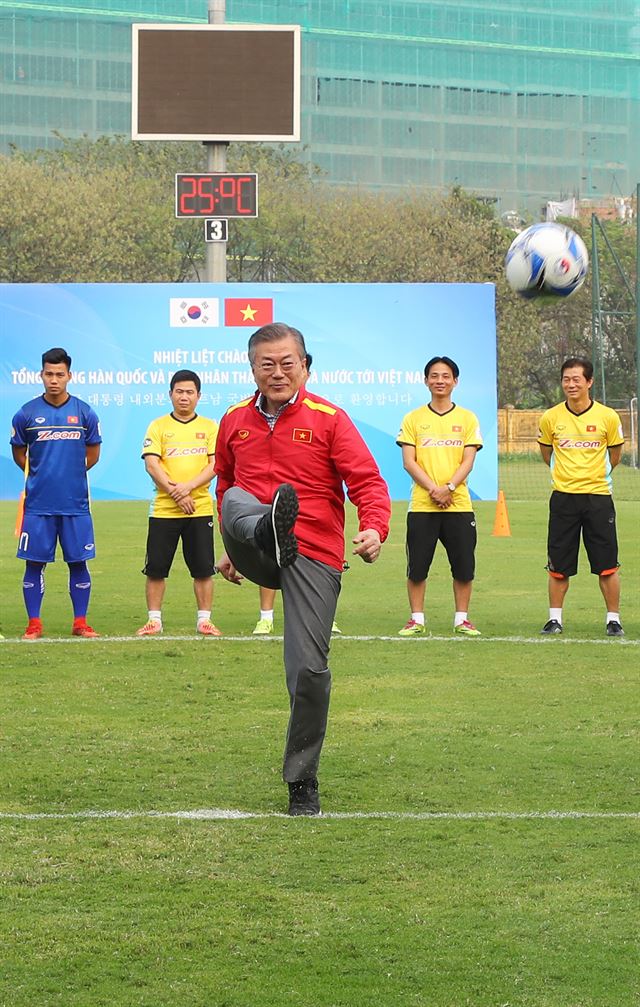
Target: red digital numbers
(216, 195)
(192, 196)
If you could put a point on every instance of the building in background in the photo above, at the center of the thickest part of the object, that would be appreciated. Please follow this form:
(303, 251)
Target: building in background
(518, 101)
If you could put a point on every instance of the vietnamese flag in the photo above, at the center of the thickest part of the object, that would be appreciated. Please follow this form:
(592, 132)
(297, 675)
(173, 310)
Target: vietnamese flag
(301, 434)
(253, 311)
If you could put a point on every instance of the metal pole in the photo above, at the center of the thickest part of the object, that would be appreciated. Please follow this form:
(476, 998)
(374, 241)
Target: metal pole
(216, 251)
(637, 304)
(596, 314)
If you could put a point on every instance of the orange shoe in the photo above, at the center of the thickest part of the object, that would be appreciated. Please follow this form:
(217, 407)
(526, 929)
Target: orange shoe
(150, 628)
(80, 628)
(33, 630)
(206, 628)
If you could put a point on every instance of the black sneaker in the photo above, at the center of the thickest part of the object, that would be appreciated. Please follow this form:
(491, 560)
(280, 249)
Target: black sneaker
(551, 627)
(614, 628)
(304, 798)
(274, 532)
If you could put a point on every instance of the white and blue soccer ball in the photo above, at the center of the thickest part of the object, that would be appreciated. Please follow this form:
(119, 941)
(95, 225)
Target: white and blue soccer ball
(546, 261)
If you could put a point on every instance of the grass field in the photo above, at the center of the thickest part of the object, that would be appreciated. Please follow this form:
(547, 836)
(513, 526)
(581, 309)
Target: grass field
(479, 842)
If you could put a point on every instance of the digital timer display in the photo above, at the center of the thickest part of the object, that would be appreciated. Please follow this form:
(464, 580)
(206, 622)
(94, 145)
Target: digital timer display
(216, 194)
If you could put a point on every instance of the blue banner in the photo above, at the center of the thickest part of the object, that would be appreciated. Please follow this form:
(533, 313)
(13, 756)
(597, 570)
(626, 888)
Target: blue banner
(369, 344)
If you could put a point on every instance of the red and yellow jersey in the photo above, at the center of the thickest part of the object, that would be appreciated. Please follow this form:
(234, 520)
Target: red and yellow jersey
(580, 442)
(184, 449)
(314, 446)
(440, 441)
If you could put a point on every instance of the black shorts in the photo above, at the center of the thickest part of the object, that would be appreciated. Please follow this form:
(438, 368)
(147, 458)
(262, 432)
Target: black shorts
(197, 545)
(590, 513)
(456, 531)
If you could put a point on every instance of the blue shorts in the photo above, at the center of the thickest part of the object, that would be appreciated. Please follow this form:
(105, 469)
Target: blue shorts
(41, 532)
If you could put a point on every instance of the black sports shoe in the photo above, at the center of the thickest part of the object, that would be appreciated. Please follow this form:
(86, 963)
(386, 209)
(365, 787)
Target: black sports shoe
(551, 627)
(614, 628)
(274, 531)
(304, 798)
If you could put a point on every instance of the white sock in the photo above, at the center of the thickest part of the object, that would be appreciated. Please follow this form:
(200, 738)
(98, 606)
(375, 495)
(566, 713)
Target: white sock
(418, 617)
(266, 614)
(203, 615)
(155, 616)
(556, 613)
(613, 617)
(459, 618)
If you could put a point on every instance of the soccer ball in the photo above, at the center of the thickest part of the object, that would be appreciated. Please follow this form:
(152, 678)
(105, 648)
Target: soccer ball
(546, 261)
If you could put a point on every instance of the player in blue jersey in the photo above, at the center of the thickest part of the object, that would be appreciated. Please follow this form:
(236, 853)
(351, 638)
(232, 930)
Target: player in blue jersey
(55, 439)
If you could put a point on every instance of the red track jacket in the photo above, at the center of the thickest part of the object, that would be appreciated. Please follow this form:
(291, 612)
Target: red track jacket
(315, 447)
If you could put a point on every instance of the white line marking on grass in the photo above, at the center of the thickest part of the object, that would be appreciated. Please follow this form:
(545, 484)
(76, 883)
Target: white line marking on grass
(405, 641)
(230, 814)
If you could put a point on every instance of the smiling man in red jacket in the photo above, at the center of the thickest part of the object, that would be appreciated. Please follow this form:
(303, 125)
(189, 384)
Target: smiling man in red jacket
(282, 458)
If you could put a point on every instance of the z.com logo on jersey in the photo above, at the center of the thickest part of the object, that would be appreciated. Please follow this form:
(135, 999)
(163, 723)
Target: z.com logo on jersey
(448, 442)
(183, 452)
(59, 435)
(566, 442)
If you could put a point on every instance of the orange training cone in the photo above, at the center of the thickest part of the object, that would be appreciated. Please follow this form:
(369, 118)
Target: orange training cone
(501, 524)
(19, 515)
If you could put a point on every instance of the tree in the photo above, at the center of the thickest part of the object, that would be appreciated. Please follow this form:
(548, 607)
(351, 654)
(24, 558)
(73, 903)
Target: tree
(103, 211)
(93, 211)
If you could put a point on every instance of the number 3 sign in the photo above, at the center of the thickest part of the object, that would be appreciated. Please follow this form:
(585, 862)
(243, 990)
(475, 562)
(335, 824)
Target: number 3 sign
(215, 230)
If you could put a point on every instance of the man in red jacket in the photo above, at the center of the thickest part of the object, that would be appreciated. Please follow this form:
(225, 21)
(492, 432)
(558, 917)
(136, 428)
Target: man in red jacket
(282, 458)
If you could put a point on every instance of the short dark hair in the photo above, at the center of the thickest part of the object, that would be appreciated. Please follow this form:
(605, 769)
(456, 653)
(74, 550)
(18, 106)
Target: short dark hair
(455, 370)
(56, 355)
(271, 334)
(185, 376)
(586, 365)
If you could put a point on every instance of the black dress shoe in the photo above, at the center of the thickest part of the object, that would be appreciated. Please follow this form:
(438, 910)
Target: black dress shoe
(274, 531)
(304, 798)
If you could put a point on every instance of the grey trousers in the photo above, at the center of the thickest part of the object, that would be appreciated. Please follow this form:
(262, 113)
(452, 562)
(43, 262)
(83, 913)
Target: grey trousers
(310, 592)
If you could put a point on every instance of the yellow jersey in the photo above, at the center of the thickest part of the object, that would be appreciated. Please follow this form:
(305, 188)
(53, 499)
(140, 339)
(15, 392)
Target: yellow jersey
(184, 449)
(440, 441)
(580, 442)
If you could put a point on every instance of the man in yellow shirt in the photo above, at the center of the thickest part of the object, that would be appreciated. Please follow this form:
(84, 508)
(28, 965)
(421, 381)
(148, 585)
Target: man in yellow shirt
(179, 455)
(439, 444)
(581, 441)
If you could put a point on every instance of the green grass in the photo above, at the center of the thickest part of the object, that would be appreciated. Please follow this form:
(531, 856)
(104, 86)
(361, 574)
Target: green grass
(335, 912)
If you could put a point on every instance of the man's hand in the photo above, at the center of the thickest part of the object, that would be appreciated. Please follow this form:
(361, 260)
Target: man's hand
(181, 493)
(177, 491)
(367, 545)
(442, 496)
(186, 505)
(228, 570)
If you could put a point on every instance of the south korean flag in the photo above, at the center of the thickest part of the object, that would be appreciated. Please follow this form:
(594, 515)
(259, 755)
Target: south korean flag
(194, 312)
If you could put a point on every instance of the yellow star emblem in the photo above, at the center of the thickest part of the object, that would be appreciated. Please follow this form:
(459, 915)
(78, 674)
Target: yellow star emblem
(248, 313)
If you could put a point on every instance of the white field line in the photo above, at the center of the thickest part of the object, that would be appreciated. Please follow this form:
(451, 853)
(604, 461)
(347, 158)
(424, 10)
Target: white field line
(229, 814)
(405, 641)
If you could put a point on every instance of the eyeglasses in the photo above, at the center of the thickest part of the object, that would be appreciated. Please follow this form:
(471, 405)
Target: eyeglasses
(269, 366)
